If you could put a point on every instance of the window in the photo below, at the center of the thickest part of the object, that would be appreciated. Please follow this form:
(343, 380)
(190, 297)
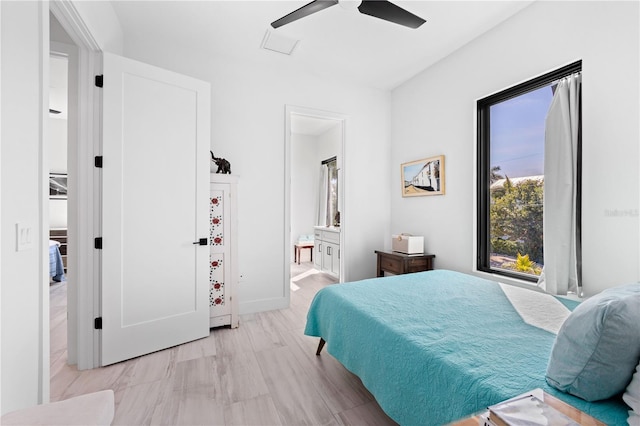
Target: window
(328, 214)
(511, 133)
(332, 205)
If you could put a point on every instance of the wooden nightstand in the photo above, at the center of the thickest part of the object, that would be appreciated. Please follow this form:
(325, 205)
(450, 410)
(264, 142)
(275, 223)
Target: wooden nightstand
(563, 407)
(400, 263)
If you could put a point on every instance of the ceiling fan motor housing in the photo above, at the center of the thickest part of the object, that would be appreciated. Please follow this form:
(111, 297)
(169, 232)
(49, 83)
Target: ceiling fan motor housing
(349, 4)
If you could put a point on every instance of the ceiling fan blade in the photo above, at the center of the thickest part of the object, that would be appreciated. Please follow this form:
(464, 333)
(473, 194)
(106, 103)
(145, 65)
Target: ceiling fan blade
(306, 10)
(390, 12)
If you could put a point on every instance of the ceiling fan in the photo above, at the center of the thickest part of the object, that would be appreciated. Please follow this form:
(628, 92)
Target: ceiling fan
(381, 9)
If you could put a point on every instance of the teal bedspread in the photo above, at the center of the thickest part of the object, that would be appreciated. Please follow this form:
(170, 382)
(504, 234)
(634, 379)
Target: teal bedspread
(433, 347)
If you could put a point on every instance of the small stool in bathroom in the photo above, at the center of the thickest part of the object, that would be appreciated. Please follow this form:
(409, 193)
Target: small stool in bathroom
(298, 248)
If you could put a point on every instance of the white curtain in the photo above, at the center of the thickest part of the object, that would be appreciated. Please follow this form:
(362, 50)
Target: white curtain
(561, 180)
(323, 196)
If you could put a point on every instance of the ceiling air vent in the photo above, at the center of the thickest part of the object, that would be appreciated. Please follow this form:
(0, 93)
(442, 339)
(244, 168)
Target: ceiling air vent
(278, 43)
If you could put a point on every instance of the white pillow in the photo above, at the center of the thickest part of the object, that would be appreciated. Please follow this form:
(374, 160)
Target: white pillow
(632, 397)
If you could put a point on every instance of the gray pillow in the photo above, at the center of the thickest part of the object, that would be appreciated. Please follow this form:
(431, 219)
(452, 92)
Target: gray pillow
(598, 346)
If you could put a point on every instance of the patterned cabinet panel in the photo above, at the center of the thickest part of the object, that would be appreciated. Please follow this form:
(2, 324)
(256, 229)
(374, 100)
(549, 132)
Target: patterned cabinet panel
(216, 256)
(222, 262)
(216, 280)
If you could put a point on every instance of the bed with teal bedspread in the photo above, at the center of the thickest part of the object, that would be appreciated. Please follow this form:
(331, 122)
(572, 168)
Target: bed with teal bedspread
(437, 346)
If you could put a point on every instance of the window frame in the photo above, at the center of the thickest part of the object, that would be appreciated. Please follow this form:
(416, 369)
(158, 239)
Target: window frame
(483, 163)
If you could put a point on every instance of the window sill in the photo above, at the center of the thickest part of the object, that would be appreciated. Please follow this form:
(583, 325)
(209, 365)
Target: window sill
(508, 280)
(523, 284)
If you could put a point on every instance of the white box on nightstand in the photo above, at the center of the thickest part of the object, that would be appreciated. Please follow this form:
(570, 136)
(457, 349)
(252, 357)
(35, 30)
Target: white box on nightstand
(409, 244)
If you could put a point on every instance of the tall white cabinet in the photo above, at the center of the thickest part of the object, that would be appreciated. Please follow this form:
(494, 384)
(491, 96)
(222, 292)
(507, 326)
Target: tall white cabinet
(223, 250)
(327, 250)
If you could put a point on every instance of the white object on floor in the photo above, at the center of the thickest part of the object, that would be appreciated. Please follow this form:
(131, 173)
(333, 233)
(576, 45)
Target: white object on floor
(96, 408)
(304, 275)
(541, 310)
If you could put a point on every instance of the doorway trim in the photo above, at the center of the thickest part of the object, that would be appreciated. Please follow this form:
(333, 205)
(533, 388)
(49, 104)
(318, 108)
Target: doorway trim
(314, 113)
(86, 209)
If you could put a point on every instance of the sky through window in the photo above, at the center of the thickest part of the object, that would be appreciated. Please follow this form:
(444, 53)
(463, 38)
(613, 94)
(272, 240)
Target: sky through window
(517, 133)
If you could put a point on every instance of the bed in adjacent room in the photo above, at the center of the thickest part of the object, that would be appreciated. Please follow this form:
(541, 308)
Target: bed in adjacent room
(56, 266)
(437, 346)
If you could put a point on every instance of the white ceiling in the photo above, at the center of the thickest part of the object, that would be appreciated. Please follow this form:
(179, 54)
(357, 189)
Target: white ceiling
(333, 42)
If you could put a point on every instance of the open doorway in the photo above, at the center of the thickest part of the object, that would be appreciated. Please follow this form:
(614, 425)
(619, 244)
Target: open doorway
(71, 38)
(58, 220)
(62, 142)
(316, 200)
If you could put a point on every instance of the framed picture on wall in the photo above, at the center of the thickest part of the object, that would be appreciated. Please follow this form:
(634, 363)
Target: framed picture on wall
(423, 177)
(57, 186)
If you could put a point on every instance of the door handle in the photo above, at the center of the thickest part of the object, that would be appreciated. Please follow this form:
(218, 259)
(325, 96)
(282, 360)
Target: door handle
(201, 242)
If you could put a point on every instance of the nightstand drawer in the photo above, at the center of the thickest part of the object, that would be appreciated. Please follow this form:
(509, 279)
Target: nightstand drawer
(400, 263)
(418, 265)
(391, 264)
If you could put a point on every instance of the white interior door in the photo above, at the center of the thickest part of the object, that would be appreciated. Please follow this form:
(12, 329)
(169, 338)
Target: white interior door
(155, 183)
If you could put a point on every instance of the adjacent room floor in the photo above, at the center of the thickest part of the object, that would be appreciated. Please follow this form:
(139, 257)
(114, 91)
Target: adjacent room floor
(265, 372)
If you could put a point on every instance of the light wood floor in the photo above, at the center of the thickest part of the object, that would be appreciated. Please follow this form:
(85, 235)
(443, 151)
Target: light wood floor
(265, 372)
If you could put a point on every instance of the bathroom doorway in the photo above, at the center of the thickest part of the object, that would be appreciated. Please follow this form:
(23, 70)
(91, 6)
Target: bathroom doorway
(315, 196)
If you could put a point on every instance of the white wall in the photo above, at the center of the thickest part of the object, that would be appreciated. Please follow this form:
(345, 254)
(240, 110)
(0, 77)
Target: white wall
(1, 234)
(58, 214)
(24, 314)
(329, 145)
(248, 106)
(434, 113)
(57, 145)
(58, 164)
(304, 187)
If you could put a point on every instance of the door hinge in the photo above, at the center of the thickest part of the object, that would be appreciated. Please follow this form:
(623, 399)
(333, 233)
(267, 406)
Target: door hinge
(97, 323)
(99, 80)
(98, 161)
(97, 243)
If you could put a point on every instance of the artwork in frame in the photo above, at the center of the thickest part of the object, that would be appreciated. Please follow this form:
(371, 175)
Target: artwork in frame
(423, 177)
(57, 186)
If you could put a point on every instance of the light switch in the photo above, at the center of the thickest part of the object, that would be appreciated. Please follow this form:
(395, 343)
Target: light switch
(24, 237)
